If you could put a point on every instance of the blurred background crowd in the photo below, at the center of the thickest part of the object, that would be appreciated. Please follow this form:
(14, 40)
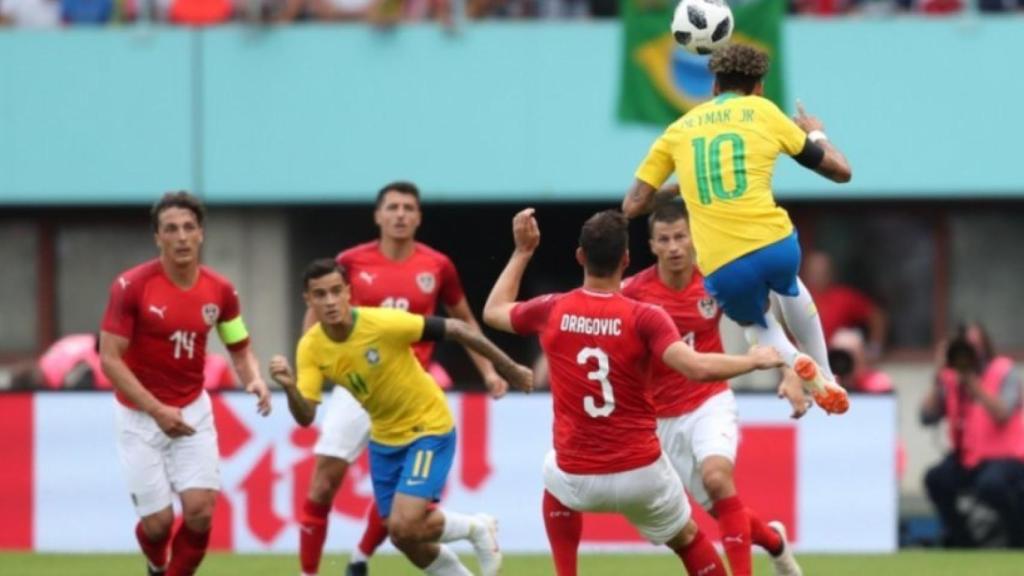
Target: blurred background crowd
(384, 13)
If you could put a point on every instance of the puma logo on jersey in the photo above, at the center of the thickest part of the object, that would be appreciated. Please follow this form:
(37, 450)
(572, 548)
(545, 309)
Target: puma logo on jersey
(158, 311)
(367, 277)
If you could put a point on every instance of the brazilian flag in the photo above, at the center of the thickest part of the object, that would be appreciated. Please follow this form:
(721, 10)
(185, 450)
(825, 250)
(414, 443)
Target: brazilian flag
(661, 81)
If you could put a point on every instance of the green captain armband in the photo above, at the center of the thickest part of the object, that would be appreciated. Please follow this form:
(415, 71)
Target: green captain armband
(232, 331)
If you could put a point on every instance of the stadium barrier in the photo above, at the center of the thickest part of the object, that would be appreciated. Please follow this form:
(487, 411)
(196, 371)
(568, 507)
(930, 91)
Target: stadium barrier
(831, 480)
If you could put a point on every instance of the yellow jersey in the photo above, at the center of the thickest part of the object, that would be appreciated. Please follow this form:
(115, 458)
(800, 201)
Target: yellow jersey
(724, 153)
(377, 365)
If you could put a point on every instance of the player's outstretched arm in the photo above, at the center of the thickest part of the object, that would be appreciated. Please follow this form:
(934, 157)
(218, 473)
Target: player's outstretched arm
(702, 367)
(498, 309)
(833, 164)
(518, 376)
(642, 198)
(112, 349)
(248, 369)
(496, 385)
(303, 411)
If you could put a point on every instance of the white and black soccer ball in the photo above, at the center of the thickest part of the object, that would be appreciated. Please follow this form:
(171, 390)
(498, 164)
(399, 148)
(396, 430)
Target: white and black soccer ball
(702, 26)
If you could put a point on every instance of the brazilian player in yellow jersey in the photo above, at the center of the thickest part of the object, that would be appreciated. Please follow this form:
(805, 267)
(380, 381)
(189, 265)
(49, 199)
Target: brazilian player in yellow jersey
(412, 433)
(723, 153)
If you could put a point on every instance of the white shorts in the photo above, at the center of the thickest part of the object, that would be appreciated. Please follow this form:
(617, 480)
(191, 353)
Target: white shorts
(710, 430)
(156, 466)
(345, 430)
(651, 497)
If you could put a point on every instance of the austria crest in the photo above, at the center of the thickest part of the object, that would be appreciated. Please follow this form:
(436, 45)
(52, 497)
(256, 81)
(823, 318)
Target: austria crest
(426, 281)
(210, 314)
(707, 307)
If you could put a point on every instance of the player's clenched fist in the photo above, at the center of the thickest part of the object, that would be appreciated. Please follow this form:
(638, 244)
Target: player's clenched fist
(765, 357)
(519, 377)
(281, 372)
(497, 387)
(525, 231)
(171, 421)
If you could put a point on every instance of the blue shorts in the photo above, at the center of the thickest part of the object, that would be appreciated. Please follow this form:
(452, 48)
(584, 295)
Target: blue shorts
(741, 287)
(419, 468)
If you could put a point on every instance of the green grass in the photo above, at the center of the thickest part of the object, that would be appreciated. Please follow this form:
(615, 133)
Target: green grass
(923, 563)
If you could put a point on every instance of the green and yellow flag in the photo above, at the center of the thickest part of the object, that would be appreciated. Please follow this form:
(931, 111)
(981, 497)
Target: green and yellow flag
(661, 81)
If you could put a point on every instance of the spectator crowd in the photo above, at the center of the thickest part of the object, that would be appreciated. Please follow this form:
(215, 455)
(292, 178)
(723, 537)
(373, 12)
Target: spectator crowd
(55, 13)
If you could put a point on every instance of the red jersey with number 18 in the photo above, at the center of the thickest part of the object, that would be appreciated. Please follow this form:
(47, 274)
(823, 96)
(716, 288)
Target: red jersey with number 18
(167, 328)
(696, 315)
(414, 284)
(599, 347)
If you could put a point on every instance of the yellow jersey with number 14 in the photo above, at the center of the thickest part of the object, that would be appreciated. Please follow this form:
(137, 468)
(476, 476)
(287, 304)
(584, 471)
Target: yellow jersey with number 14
(724, 153)
(377, 366)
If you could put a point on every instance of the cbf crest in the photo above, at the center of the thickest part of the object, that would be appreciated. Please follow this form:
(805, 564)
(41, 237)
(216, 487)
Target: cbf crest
(426, 281)
(707, 307)
(210, 314)
(372, 356)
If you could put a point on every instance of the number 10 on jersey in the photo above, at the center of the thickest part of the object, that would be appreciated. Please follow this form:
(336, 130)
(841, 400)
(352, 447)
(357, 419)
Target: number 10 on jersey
(708, 168)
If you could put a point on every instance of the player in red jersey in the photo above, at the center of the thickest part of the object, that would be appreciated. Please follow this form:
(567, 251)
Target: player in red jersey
(600, 345)
(153, 349)
(698, 424)
(394, 271)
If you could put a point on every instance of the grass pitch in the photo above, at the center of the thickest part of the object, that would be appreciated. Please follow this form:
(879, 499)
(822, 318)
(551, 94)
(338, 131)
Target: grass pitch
(917, 563)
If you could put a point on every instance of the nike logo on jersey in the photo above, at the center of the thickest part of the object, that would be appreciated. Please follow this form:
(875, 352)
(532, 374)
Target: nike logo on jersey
(124, 282)
(367, 277)
(158, 311)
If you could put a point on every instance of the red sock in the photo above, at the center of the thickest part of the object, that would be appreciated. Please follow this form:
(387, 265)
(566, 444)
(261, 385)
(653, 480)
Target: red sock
(376, 532)
(700, 557)
(187, 551)
(734, 526)
(764, 536)
(564, 527)
(156, 552)
(312, 534)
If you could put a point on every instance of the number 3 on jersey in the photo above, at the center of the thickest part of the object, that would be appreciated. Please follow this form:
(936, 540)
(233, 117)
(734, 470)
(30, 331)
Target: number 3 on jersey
(600, 375)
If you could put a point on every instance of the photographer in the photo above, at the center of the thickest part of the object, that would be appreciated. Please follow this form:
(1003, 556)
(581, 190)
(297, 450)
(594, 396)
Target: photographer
(848, 358)
(979, 393)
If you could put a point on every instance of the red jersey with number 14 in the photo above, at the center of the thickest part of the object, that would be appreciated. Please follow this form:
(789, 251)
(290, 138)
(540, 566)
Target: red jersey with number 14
(696, 315)
(167, 328)
(599, 347)
(414, 284)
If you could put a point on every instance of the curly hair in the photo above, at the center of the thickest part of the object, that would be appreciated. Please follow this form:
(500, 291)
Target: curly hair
(738, 67)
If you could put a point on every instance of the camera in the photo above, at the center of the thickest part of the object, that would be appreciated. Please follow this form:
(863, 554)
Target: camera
(841, 362)
(961, 356)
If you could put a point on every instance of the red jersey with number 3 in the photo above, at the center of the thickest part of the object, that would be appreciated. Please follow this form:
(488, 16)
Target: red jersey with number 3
(696, 315)
(414, 284)
(599, 347)
(167, 328)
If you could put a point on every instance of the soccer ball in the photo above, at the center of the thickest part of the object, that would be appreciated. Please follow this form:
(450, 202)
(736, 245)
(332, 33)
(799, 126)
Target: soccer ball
(702, 26)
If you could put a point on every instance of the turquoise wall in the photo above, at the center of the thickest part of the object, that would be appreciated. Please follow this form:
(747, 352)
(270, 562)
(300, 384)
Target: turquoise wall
(501, 111)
